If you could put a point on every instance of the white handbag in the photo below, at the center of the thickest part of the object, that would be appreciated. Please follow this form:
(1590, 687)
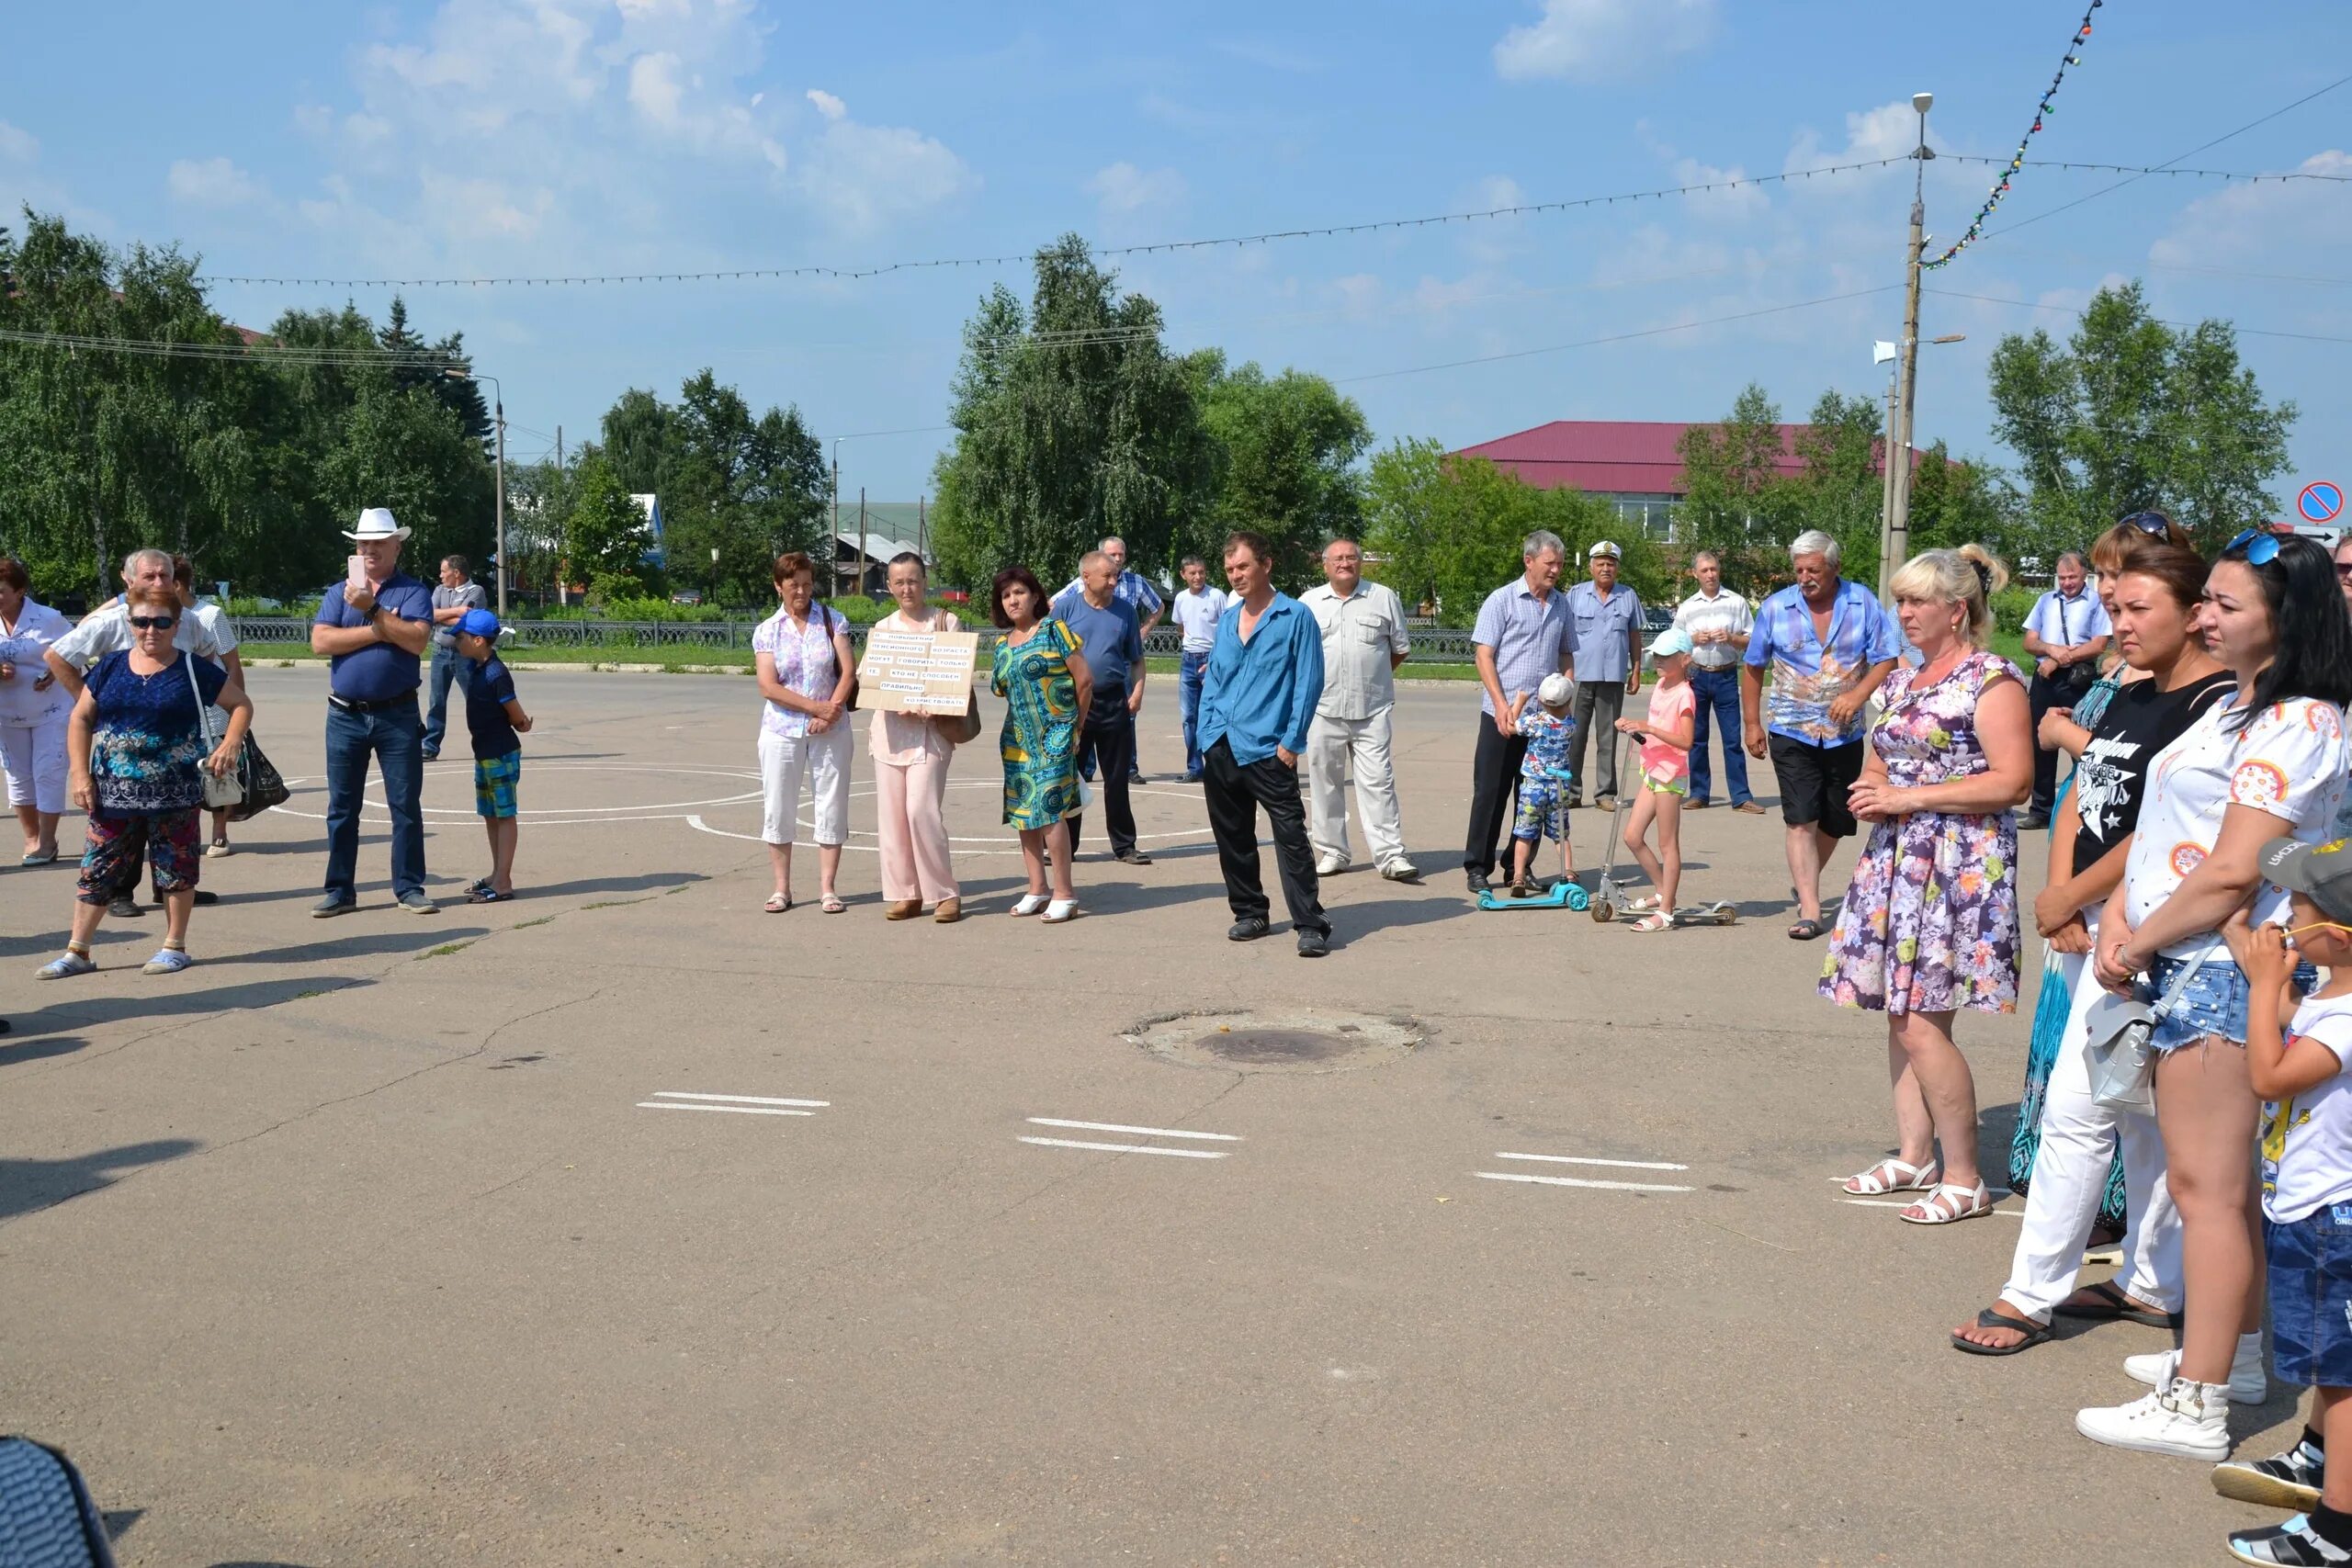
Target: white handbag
(2123, 1050)
(221, 791)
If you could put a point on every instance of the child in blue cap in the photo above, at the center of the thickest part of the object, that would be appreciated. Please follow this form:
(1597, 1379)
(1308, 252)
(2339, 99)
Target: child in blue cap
(497, 722)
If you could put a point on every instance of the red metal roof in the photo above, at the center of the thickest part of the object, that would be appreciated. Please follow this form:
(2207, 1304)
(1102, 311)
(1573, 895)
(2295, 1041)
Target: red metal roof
(1636, 456)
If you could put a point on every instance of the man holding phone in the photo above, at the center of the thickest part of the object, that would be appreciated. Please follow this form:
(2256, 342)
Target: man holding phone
(373, 626)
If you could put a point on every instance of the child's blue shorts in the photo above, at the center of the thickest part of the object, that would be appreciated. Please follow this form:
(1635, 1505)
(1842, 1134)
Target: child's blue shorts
(2310, 1297)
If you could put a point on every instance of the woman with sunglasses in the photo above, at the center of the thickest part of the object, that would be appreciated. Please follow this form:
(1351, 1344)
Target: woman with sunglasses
(2266, 760)
(137, 751)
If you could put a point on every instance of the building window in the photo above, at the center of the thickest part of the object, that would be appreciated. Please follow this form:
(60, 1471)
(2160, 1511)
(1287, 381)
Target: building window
(1651, 516)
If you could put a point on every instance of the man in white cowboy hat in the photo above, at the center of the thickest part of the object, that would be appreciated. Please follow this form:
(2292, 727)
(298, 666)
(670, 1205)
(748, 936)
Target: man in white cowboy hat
(373, 627)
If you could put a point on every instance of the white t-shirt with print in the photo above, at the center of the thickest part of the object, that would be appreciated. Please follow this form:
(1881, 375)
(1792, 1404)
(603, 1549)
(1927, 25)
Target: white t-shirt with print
(2307, 1141)
(2290, 761)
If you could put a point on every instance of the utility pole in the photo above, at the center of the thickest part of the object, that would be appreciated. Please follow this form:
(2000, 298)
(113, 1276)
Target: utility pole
(834, 567)
(1898, 509)
(502, 503)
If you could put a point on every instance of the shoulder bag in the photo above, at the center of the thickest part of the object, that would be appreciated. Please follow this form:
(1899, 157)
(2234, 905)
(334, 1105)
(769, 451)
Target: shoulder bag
(2122, 1055)
(220, 790)
(833, 620)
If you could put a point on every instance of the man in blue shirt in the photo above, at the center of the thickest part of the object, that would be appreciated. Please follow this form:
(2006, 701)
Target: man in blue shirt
(2064, 637)
(1136, 592)
(1264, 678)
(1608, 617)
(1112, 641)
(1829, 645)
(1523, 633)
(374, 636)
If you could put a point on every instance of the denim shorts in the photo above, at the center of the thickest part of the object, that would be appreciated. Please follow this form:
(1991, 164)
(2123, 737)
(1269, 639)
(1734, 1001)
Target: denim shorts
(2214, 1002)
(2310, 1297)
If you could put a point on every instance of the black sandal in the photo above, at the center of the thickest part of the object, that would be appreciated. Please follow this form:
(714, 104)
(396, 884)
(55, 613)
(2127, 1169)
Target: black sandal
(2114, 1306)
(1806, 930)
(2035, 1333)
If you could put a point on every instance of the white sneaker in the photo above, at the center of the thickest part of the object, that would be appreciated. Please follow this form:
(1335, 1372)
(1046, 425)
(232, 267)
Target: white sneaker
(2189, 1420)
(1330, 865)
(2248, 1384)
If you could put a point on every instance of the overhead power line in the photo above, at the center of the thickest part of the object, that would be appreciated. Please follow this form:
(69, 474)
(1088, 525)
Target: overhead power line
(2069, 310)
(237, 353)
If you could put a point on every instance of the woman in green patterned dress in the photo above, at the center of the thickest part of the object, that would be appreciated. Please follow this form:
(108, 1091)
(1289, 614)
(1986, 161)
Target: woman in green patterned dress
(1043, 678)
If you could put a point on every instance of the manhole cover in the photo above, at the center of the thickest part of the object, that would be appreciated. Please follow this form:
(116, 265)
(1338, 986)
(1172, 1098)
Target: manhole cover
(1302, 1040)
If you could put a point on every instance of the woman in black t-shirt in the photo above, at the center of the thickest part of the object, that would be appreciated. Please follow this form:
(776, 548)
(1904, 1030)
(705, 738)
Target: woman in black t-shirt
(2159, 581)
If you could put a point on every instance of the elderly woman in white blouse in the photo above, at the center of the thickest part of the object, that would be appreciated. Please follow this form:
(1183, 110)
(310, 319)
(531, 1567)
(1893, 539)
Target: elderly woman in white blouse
(802, 657)
(34, 711)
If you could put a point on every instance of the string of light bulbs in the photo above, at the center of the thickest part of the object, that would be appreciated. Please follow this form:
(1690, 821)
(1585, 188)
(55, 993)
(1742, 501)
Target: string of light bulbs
(2017, 160)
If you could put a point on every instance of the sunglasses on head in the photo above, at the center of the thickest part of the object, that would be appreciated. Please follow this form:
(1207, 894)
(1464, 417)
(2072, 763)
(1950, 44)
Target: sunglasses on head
(2154, 523)
(2261, 546)
(154, 623)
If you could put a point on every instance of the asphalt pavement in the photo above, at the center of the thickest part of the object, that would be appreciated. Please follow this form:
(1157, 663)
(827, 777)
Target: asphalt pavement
(626, 1222)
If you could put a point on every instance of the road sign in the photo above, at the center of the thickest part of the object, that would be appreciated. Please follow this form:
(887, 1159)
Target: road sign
(2321, 502)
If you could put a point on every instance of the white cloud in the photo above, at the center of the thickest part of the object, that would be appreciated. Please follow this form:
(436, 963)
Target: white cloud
(17, 146)
(1740, 200)
(1890, 130)
(655, 85)
(827, 105)
(2249, 222)
(213, 182)
(1590, 40)
(863, 176)
(1122, 188)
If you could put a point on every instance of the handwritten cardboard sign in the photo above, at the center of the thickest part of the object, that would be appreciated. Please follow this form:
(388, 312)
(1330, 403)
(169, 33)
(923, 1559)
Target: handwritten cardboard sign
(925, 673)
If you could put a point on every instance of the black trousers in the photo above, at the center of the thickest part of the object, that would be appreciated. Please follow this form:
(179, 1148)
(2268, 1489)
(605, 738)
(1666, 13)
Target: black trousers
(1108, 744)
(1235, 792)
(1494, 792)
(2042, 696)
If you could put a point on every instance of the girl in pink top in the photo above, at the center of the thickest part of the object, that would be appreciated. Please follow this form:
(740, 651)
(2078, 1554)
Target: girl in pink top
(1665, 734)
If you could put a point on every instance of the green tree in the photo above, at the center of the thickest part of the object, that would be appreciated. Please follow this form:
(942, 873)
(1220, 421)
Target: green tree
(1284, 450)
(2131, 413)
(1072, 421)
(1841, 489)
(604, 535)
(1734, 502)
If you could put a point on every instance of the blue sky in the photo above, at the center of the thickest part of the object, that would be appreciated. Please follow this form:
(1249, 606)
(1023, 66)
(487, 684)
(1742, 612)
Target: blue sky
(477, 137)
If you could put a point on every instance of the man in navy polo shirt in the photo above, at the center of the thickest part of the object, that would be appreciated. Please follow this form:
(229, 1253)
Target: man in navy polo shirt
(1112, 638)
(374, 637)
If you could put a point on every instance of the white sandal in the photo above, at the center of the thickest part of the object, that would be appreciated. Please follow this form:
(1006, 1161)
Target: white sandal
(1060, 910)
(1031, 902)
(1891, 1175)
(1944, 1206)
(1646, 905)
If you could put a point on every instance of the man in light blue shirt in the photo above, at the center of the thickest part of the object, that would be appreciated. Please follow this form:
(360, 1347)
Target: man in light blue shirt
(1607, 619)
(1265, 675)
(1523, 633)
(1829, 645)
(1105, 627)
(1196, 610)
(1134, 590)
(2064, 635)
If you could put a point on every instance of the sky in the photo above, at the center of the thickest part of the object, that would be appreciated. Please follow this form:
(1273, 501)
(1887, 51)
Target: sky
(287, 139)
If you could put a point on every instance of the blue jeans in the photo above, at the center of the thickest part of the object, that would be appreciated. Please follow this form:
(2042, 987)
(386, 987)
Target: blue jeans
(1717, 691)
(390, 736)
(1192, 672)
(448, 664)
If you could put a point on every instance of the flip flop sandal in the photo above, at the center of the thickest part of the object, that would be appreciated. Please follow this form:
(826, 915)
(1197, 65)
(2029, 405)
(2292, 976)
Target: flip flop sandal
(488, 896)
(1806, 930)
(2035, 1333)
(777, 903)
(2114, 1306)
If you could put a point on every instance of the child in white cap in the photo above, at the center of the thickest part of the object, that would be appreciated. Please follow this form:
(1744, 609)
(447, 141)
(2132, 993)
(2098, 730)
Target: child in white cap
(1665, 733)
(1545, 784)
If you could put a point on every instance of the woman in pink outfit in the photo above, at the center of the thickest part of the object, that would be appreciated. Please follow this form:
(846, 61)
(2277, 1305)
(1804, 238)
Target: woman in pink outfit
(911, 757)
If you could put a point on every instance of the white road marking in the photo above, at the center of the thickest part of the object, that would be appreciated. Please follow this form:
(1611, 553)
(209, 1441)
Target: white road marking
(1890, 1204)
(1576, 1181)
(737, 1110)
(1125, 1148)
(736, 1099)
(1140, 1132)
(1578, 1159)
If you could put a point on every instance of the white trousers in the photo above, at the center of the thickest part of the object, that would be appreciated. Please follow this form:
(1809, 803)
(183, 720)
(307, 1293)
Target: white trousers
(1333, 745)
(823, 760)
(34, 758)
(2078, 1139)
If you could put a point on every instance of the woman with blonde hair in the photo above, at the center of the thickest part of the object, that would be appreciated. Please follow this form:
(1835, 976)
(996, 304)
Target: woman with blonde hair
(1929, 922)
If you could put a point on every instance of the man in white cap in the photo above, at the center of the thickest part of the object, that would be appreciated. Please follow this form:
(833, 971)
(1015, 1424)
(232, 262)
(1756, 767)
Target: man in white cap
(373, 627)
(1608, 618)
(1364, 641)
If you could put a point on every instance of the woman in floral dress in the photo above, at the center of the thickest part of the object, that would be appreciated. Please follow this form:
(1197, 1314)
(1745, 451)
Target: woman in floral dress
(1043, 678)
(1929, 922)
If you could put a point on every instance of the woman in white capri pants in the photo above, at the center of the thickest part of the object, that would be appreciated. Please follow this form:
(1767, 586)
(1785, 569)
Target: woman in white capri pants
(33, 713)
(2159, 577)
(805, 667)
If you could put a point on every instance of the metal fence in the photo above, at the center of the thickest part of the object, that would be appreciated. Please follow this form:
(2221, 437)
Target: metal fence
(1430, 645)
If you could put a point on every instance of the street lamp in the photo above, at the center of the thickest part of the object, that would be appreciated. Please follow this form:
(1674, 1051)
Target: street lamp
(498, 395)
(1895, 528)
(714, 574)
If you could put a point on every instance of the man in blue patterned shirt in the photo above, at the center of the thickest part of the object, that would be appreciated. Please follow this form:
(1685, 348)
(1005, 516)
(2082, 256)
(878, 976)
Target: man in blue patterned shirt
(1829, 645)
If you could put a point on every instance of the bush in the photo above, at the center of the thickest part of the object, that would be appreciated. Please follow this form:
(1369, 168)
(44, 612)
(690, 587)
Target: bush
(2011, 606)
(860, 611)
